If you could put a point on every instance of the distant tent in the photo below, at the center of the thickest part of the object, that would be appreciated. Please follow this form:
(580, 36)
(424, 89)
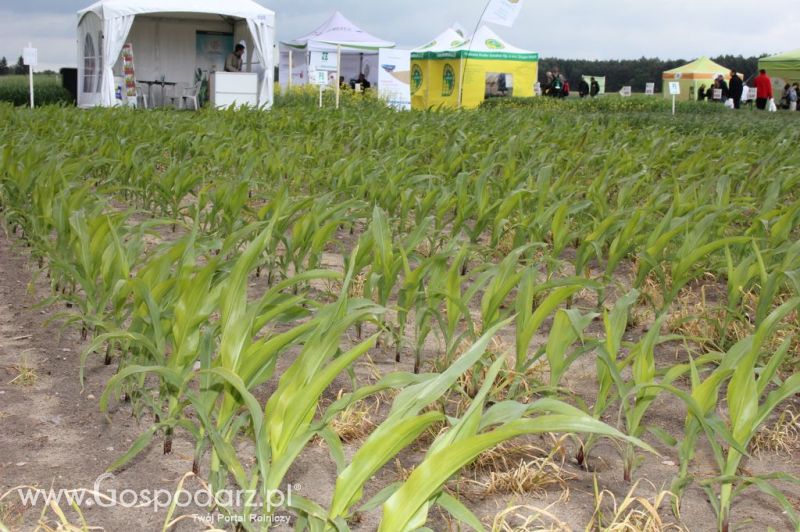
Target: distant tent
(782, 68)
(359, 51)
(491, 68)
(691, 76)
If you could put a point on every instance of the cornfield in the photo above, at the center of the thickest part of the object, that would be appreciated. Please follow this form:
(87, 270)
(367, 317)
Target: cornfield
(47, 90)
(239, 269)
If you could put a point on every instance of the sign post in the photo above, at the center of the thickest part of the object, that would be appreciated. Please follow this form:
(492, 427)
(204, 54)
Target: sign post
(319, 78)
(291, 72)
(322, 65)
(30, 58)
(674, 90)
(338, 73)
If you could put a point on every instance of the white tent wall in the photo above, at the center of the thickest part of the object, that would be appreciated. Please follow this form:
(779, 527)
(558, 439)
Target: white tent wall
(299, 68)
(89, 60)
(263, 45)
(115, 31)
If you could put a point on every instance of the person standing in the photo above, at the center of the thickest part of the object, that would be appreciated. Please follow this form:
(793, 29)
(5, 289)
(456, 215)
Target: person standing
(548, 84)
(234, 61)
(723, 86)
(791, 96)
(736, 89)
(557, 88)
(583, 88)
(595, 88)
(763, 90)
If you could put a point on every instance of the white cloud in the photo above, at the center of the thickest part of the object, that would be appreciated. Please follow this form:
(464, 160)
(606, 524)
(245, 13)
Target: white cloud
(609, 29)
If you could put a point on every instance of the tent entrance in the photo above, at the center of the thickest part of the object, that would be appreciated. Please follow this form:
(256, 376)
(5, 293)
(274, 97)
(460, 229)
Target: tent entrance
(499, 85)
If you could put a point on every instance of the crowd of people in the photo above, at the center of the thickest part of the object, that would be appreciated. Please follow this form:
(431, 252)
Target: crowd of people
(737, 91)
(730, 93)
(557, 86)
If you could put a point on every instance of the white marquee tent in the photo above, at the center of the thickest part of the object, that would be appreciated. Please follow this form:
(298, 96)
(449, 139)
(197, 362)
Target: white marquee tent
(163, 34)
(359, 51)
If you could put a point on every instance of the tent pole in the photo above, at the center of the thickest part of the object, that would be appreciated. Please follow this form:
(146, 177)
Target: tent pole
(465, 59)
(338, 73)
(289, 81)
(461, 82)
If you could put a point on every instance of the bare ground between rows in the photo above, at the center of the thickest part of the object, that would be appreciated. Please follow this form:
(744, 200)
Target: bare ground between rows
(52, 434)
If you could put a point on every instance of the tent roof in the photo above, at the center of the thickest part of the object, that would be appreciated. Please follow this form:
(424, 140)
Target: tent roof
(704, 65)
(246, 9)
(786, 65)
(793, 55)
(449, 39)
(338, 30)
(485, 44)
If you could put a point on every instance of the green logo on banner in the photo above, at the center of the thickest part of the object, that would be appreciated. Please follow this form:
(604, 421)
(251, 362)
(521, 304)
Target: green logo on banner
(494, 44)
(448, 80)
(416, 78)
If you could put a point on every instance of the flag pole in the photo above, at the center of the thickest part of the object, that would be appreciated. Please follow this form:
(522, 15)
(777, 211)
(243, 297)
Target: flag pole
(466, 58)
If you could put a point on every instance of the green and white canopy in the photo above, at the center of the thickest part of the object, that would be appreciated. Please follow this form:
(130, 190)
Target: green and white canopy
(785, 65)
(485, 44)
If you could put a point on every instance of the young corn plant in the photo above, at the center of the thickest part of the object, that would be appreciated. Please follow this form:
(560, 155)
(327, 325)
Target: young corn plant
(753, 393)
(477, 431)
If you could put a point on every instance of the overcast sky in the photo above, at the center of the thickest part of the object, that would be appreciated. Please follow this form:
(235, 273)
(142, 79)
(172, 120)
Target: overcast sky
(591, 29)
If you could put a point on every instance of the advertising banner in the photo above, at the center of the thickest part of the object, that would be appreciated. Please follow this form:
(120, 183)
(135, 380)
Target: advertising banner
(212, 50)
(129, 71)
(394, 77)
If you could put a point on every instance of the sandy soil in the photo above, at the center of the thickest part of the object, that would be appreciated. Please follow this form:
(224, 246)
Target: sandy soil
(52, 434)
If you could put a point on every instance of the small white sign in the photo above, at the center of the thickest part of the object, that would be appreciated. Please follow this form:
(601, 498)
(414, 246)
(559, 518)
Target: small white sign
(717, 94)
(650, 89)
(324, 61)
(30, 56)
(674, 88)
(319, 77)
(753, 93)
(625, 92)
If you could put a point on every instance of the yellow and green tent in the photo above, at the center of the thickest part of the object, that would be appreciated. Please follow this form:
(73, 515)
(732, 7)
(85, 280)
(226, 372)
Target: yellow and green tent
(782, 68)
(691, 76)
(490, 67)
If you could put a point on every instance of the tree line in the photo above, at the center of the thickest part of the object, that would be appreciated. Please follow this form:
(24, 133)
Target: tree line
(635, 73)
(17, 69)
(7, 70)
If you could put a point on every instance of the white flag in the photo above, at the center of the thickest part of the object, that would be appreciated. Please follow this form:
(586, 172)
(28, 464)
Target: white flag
(503, 12)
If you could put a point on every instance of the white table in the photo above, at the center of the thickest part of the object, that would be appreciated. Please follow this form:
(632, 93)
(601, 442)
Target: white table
(233, 88)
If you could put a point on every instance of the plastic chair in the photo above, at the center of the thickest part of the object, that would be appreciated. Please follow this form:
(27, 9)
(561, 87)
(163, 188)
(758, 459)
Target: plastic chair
(190, 94)
(141, 95)
(176, 96)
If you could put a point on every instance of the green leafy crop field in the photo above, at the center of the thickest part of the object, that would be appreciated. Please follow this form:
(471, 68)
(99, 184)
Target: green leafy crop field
(410, 291)
(47, 90)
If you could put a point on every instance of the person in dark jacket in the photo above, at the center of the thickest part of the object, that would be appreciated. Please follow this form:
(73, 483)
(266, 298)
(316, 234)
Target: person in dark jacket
(595, 88)
(723, 86)
(583, 88)
(735, 89)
